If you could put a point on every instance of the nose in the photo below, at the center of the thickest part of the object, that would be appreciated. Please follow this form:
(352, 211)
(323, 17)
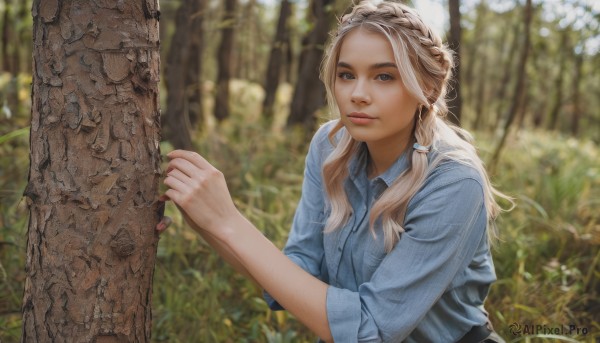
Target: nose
(360, 93)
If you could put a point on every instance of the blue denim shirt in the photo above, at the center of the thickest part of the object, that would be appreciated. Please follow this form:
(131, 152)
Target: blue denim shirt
(430, 287)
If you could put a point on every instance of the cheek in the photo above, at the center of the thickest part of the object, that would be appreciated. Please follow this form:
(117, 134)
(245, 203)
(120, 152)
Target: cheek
(338, 96)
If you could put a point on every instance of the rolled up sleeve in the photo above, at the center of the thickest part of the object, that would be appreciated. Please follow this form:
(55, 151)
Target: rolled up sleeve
(443, 227)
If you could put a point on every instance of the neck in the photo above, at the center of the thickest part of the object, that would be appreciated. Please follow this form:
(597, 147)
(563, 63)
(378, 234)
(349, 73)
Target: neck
(382, 158)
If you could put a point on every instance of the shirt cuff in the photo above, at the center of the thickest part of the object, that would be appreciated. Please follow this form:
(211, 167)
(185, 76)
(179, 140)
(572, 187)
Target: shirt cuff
(273, 304)
(343, 314)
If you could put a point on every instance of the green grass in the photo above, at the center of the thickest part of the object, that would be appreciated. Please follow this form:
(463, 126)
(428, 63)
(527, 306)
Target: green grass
(548, 262)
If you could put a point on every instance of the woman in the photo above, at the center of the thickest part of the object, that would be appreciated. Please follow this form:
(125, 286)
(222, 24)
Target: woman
(390, 241)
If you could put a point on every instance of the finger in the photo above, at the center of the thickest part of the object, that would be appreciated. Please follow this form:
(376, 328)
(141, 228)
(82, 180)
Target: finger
(174, 195)
(191, 156)
(164, 224)
(175, 184)
(185, 166)
(163, 198)
(177, 174)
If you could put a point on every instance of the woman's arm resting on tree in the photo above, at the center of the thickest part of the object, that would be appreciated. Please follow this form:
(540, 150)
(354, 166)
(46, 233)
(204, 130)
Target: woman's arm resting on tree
(201, 192)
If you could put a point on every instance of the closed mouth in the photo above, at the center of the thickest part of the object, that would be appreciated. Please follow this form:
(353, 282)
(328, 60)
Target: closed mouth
(360, 115)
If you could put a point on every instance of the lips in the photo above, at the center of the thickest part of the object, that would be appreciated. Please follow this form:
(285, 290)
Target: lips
(360, 118)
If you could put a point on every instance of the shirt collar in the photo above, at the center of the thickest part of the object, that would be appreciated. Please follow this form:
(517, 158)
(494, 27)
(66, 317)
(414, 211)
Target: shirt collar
(358, 167)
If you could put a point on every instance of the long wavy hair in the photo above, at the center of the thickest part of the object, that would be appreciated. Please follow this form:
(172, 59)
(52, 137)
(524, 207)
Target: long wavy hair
(425, 67)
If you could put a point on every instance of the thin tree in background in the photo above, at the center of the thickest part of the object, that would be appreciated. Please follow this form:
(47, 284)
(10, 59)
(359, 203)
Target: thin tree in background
(7, 36)
(176, 122)
(193, 83)
(563, 49)
(508, 71)
(224, 59)
(94, 171)
(512, 112)
(577, 108)
(480, 89)
(274, 68)
(455, 100)
(309, 94)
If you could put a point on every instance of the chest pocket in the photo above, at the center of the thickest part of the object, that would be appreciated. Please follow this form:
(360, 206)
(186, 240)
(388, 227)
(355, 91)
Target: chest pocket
(374, 254)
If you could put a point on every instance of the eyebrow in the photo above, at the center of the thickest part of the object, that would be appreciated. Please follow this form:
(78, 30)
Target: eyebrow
(374, 66)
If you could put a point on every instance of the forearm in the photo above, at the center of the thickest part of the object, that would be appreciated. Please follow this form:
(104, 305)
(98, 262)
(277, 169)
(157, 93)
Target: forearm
(226, 254)
(296, 290)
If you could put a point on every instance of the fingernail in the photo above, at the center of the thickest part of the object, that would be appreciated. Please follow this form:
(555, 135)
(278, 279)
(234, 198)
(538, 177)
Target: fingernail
(160, 227)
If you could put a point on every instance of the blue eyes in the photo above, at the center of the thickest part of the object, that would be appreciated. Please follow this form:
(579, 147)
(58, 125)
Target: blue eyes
(385, 77)
(380, 77)
(345, 76)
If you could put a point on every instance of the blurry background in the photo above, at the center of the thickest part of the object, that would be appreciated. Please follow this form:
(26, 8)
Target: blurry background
(240, 86)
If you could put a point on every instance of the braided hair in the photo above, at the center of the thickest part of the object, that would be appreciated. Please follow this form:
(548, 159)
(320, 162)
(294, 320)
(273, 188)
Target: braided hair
(425, 65)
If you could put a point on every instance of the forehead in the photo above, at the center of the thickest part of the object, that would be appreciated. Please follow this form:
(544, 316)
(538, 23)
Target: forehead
(361, 45)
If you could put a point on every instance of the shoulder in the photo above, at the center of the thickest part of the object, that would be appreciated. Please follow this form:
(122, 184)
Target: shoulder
(454, 179)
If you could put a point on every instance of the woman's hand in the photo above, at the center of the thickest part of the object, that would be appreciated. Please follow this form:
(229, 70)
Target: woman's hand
(200, 191)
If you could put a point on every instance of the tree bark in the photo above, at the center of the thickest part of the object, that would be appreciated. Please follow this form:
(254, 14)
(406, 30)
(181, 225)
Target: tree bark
(512, 112)
(276, 58)
(455, 102)
(94, 171)
(309, 93)
(224, 55)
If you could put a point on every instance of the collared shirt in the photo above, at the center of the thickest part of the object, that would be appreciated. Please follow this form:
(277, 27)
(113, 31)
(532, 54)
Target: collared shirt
(430, 287)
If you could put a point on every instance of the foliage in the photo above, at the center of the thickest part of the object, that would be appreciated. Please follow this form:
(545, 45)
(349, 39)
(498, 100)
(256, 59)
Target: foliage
(548, 261)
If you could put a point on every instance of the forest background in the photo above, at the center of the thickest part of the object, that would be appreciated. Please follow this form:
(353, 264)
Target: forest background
(529, 91)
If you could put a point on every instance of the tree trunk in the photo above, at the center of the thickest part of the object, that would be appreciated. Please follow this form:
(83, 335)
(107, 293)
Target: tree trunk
(482, 81)
(512, 112)
(309, 94)
(224, 59)
(506, 77)
(558, 83)
(473, 51)
(275, 59)
(576, 115)
(245, 64)
(177, 127)
(455, 103)
(95, 166)
(194, 74)
(6, 37)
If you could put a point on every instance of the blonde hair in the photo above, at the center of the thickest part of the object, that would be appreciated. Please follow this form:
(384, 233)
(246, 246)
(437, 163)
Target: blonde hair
(425, 66)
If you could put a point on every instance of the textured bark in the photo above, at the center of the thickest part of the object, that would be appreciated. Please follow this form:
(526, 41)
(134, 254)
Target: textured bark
(224, 58)
(309, 93)
(95, 166)
(455, 102)
(276, 58)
